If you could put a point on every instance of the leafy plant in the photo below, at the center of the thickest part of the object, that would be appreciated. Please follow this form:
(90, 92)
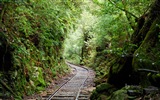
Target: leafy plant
(34, 34)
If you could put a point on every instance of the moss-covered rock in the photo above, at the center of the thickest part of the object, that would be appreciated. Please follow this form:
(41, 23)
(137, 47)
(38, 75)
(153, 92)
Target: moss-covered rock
(106, 91)
(102, 91)
(123, 93)
(119, 95)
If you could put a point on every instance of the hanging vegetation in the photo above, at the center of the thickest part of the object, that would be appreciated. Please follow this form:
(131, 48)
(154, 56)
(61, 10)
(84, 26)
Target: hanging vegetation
(32, 33)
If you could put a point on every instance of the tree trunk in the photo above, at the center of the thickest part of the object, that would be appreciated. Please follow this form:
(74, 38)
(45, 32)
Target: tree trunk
(146, 55)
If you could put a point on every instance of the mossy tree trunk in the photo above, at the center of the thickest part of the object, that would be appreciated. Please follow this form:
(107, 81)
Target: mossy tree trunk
(145, 55)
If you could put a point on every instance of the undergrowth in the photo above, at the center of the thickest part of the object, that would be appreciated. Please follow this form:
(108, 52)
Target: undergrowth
(32, 34)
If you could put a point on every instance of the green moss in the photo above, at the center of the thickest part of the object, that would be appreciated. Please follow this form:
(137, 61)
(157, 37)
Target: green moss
(146, 56)
(122, 94)
(103, 97)
(102, 91)
(119, 95)
(103, 87)
(94, 95)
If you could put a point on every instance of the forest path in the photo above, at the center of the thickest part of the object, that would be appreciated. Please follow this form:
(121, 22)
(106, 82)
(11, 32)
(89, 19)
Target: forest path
(76, 86)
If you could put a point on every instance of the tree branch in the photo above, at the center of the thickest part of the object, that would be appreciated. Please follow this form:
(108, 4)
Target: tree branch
(128, 17)
(123, 9)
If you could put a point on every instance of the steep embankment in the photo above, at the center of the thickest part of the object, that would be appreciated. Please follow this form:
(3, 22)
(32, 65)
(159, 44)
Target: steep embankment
(139, 66)
(31, 43)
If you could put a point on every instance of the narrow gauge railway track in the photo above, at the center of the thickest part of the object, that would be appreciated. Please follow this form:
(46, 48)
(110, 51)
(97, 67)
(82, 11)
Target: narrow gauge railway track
(72, 89)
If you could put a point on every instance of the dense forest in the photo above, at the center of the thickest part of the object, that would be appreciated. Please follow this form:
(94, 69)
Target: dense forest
(32, 33)
(119, 39)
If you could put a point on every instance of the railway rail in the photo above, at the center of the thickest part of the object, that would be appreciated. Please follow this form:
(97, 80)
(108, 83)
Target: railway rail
(74, 88)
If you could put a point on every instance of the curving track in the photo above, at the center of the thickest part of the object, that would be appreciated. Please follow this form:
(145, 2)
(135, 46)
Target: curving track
(73, 88)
